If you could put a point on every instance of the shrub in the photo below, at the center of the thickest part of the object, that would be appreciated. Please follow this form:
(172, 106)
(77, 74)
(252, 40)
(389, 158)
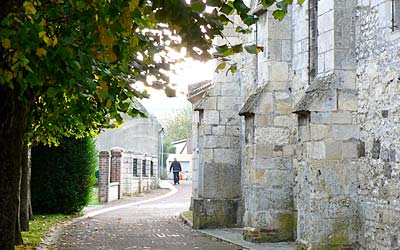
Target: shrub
(63, 176)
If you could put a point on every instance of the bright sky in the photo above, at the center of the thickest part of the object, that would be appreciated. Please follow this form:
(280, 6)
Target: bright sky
(187, 73)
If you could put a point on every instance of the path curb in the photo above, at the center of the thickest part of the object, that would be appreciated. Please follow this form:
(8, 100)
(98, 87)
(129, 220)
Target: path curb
(54, 232)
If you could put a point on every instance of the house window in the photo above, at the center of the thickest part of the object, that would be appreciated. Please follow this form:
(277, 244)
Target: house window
(151, 169)
(395, 15)
(144, 168)
(134, 168)
(313, 38)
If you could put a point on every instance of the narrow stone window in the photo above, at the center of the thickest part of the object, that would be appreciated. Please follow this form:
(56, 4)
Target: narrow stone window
(151, 169)
(395, 15)
(303, 126)
(134, 168)
(249, 129)
(201, 117)
(312, 39)
(144, 168)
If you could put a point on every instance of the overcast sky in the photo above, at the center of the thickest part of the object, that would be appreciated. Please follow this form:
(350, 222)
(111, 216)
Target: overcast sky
(162, 106)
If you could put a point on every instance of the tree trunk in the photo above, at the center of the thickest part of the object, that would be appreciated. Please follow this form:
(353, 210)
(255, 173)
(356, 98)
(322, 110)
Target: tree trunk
(24, 193)
(30, 212)
(13, 122)
(18, 235)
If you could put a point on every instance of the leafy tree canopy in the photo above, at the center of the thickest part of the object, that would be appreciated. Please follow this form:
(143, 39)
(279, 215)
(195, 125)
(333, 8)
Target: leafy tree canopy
(179, 125)
(76, 62)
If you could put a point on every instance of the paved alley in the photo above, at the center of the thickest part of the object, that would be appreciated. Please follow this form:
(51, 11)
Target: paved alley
(153, 225)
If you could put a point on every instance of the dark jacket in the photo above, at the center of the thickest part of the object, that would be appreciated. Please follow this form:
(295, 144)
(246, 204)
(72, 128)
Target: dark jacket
(176, 166)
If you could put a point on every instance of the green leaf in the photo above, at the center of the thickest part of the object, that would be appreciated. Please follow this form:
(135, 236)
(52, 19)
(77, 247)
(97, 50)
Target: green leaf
(242, 30)
(267, 3)
(279, 14)
(240, 7)
(51, 92)
(300, 2)
(198, 5)
(76, 65)
(214, 3)
(237, 48)
(282, 5)
(220, 67)
(232, 69)
(226, 9)
(252, 49)
(250, 20)
(222, 48)
(224, 19)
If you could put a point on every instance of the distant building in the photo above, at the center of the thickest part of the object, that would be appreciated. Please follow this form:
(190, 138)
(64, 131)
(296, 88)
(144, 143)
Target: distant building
(136, 134)
(128, 157)
(184, 156)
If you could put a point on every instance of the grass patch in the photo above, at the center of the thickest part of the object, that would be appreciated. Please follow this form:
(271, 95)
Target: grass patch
(188, 215)
(39, 227)
(94, 197)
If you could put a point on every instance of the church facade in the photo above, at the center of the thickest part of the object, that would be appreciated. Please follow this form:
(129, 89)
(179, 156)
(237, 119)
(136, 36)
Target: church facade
(302, 143)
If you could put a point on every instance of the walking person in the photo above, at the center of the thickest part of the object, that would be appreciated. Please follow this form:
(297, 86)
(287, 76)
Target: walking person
(176, 168)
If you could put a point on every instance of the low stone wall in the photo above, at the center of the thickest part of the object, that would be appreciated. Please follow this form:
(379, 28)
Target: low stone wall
(124, 173)
(113, 191)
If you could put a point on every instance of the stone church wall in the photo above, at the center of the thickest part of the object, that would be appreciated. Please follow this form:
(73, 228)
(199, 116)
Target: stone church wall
(319, 128)
(378, 86)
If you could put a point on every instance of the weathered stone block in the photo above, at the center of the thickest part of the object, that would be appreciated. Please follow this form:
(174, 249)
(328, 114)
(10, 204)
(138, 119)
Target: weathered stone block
(264, 150)
(262, 120)
(218, 130)
(333, 150)
(272, 135)
(283, 108)
(279, 71)
(350, 150)
(265, 104)
(331, 117)
(319, 131)
(228, 156)
(211, 117)
(210, 103)
(227, 102)
(288, 150)
(229, 117)
(345, 132)
(347, 101)
(232, 130)
(316, 150)
(280, 95)
(214, 213)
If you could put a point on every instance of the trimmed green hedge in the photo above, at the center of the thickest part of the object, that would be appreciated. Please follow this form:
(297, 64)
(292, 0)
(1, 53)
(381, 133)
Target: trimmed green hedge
(63, 176)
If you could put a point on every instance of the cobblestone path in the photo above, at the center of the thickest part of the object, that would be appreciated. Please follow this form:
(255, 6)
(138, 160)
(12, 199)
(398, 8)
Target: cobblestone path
(153, 225)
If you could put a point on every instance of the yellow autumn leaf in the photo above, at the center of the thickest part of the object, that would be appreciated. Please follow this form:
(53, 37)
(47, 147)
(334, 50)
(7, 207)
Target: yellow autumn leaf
(47, 41)
(42, 34)
(6, 43)
(133, 4)
(109, 102)
(29, 8)
(42, 23)
(104, 87)
(55, 41)
(41, 52)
